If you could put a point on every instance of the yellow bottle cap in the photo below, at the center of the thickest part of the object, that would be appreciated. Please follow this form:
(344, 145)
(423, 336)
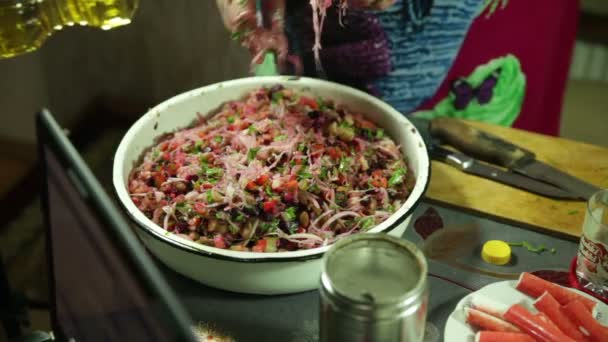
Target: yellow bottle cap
(496, 252)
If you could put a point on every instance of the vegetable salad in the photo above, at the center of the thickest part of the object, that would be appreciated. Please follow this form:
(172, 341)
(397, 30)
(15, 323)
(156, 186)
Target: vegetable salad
(276, 171)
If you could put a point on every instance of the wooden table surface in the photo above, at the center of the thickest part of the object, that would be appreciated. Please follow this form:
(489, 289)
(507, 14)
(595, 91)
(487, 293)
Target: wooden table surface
(582, 160)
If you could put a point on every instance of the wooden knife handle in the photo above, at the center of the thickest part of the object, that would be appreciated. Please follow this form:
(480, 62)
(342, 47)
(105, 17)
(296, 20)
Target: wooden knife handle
(478, 144)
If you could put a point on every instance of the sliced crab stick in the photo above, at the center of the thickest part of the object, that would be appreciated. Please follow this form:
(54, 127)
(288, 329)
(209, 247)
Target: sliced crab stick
(583, 318)
(486, 321)
(489, 305)
(534, 325)
(551, 308)
(534, 286)
(499, 336)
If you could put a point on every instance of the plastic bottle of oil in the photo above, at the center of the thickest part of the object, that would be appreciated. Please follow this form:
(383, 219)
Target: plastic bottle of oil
(26, 24)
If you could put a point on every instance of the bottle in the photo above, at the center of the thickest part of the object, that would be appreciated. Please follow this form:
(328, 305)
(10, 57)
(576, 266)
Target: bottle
(592, 259)
(26, 24)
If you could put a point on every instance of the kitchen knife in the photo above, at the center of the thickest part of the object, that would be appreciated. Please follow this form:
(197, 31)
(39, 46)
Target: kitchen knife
(472, 166)
(492, 149)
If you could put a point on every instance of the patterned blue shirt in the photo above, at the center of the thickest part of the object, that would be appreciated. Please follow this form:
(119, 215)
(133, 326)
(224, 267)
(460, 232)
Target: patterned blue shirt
(422, 58)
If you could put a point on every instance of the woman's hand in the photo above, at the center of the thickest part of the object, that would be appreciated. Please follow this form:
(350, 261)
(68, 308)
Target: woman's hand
(240, 19)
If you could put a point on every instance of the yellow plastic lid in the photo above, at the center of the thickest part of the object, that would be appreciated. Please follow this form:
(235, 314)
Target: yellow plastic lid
(496, 252)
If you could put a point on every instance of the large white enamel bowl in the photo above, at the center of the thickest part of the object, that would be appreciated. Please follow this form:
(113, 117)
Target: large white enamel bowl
(248, 272)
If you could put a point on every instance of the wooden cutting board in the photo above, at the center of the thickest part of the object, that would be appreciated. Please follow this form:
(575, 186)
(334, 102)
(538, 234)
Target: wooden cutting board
(588, 162)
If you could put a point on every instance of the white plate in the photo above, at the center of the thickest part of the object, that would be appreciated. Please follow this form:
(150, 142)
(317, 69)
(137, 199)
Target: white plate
(457, 330)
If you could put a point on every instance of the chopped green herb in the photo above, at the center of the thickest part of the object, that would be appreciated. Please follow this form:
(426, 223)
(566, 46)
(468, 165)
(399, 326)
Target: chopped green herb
(323, 172)
(268, 190)
(314, 188)
(301, 147)
(344, 165)
(531, 248)
(218, 139)
(379, 133)
(277, 96)
(290, 214)
(239, 217)
(367, 222)
(251, 130)
(269, 226)
(367, 133)
(397, 177)
(322, 105)
(233, 229)
(280, 137)
(209, 196)
(155, 154)
(252, 153)
(237, 35)
(303, 174)
(230, 119)
(214, 171)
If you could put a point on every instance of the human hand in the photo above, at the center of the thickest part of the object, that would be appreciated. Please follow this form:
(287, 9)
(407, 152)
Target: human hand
(239, 17)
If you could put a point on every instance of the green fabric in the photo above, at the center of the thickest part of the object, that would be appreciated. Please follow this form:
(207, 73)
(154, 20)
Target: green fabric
(507, 98)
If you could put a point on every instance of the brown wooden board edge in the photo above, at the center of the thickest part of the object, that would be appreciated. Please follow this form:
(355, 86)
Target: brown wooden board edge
(501, 219)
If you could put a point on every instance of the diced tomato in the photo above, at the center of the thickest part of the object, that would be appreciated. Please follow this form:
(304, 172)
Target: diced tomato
(172, 169)
(202, 134)
(380, 182)
(166, 156)
(200, 209)
(270, 206)
(159, 179)
(219, 242)
(366, 124)
(245, 125)
(251, 186)
(262, 179)
(317, 149)
(232, 127)
(334, 153)
(377, 173)
(307, 101)
(301, 230)
(260, 246)
(291, 185)
(207, 185)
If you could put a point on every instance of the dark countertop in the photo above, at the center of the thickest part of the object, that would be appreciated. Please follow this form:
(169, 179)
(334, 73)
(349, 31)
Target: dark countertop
(455, 269)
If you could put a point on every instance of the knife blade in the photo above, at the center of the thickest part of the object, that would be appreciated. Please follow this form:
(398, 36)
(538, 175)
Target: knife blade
(472, 166)
(492, 149)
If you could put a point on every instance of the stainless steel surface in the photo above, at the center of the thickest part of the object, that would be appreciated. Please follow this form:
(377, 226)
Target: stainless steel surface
(549, 174)
(518, 181)
(471, 166)
(373, 288)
